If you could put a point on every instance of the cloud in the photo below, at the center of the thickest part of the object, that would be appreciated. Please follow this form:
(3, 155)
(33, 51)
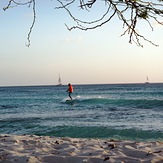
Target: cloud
(72, 40)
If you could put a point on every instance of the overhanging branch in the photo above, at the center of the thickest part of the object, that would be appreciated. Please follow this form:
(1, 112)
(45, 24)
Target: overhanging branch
(138, 11)
(129, 12)
(13, 3)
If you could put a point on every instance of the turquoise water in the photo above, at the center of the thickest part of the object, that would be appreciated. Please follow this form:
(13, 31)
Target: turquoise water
(117, 111)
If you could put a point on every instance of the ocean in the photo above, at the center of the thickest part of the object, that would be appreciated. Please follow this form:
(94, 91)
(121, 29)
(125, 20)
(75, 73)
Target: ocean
(114, 111)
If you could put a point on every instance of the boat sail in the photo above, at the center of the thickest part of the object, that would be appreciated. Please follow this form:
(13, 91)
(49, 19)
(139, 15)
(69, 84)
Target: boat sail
(147, 82)
(59, 81)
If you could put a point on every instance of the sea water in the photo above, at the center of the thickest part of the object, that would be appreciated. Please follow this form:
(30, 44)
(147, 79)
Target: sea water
(116, 111)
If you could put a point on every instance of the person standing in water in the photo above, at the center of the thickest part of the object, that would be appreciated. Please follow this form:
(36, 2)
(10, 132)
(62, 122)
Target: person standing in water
(70, 90)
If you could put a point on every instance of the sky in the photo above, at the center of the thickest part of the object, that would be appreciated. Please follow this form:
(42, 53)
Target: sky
(97, 56)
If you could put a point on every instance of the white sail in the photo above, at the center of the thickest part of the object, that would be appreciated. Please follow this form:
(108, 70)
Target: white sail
(59, 80)
(147, 82)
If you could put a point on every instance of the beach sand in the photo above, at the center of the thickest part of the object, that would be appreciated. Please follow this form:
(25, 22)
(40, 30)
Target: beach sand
(45, 149)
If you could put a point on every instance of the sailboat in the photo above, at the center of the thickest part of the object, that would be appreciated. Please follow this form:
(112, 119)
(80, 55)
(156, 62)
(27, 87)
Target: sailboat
(147, 82)
(59, 81)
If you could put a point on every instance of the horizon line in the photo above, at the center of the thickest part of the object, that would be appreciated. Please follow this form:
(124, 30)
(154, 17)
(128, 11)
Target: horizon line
(39, 85)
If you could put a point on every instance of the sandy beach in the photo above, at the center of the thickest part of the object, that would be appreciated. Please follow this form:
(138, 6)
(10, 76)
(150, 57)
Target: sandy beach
(35, 149)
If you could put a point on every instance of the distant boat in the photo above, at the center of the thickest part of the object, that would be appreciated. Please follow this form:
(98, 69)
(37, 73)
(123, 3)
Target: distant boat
(147, 82)
(59, 81)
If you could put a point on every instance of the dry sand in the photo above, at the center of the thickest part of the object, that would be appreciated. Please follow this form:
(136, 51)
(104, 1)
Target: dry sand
(45, 149)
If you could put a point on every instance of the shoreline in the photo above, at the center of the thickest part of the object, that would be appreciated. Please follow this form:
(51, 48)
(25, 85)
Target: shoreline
(49, 149)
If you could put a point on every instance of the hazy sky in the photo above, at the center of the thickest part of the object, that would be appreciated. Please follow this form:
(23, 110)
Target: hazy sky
(80, 57)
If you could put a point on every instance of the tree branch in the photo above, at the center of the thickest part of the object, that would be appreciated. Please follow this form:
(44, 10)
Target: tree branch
(13, 3)
(138, 10)
(33, 23)
(129, 12)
